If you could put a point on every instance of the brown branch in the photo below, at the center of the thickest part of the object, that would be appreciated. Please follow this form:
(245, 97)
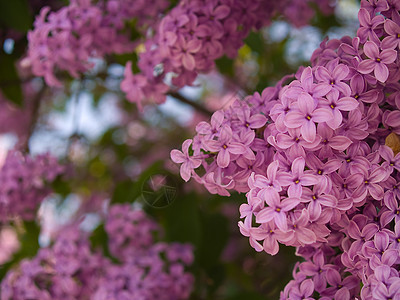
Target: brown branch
(35, 115)
(193, 104)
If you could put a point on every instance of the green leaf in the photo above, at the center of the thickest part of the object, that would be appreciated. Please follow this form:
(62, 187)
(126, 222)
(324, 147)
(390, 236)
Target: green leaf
(122, 59)
(214, 229)
(180, 220)
(128, 191)
(322, 21)
(124, 192)
(255, 42)
(248, 295)
(99, 240)
(215, 236)
(30, 239)
(29, 245)
(9, 80)
(225, 65)
(15, 14)
(60, 186)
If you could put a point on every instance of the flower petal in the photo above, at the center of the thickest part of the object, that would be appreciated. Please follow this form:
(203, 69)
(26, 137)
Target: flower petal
(347, 103)
(381, 72)
(308, 131)
(366, 66)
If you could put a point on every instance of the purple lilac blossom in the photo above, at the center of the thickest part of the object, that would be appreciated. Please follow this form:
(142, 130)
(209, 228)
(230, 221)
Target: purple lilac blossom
(70, 269)
(329, 126)
(194, 34)
(66, 40)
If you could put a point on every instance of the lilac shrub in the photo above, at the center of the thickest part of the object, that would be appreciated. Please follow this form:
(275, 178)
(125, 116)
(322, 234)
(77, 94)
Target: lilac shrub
(67, 270)
(70, 269)
(67, 40)
(129, 231)
(143, 273)
(312, 160)
(194, 34)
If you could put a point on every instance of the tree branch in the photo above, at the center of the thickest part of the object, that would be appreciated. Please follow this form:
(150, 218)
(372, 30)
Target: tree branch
(193, 104)
(35, 115)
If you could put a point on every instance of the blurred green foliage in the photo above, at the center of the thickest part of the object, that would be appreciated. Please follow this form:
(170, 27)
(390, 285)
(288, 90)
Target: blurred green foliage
(15, 14)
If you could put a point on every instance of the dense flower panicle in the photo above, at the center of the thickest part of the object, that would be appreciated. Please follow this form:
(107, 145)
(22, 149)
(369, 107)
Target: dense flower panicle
(70, 269)
(144, 273)
(147, 276)
(66, 40)
(25, 183)
(129, 231)
(321, 178)
(188, 163)
(67, 270)
(194, 34)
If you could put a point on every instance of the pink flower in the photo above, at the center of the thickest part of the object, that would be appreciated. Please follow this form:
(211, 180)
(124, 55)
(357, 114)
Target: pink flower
(377, 61)
(133, 85)
(304, 292)
(213, 184)
(297, 178)
(247, 231)
(225, 146)
(298, 223)
(249, 121)
(393, 40)
(323, 170)
(391, 120)
(337, 105)
(267, 184)
(184, 52)
(188, 162)
(293, 142)
(276, 210)
(391, 161)
(210, 130)
(371, 184)
(340, 288)
(330, 141)
(270, 235)
(316, 269)
(247, 209)
(332, 77)
(368, 25)
(316, 200)
(358, 90)
(305, 115)
(360, 232)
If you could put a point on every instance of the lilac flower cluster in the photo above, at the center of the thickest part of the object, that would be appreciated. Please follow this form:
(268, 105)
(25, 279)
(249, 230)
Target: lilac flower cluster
(147, 276)
(24, 183)
(70, 269)
(67, 270)
(66, 40)
(312, 159)
(129, 231)
(143, 274)
(194, 34)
